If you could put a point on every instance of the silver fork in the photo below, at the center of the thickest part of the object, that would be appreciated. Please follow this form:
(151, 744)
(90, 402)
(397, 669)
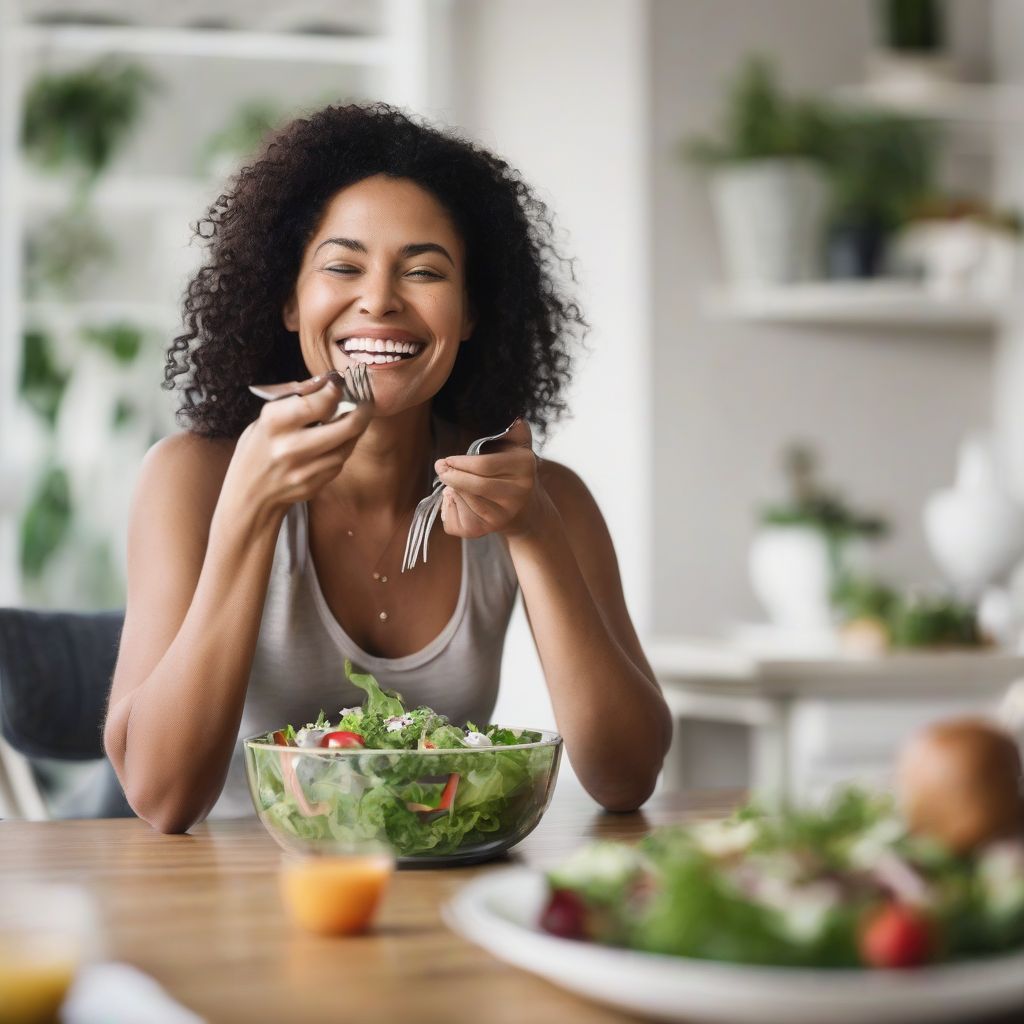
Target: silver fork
(355, 388)
(425, 514)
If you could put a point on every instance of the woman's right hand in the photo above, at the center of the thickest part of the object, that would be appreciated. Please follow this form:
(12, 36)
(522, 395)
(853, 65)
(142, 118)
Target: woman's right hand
(294, 448)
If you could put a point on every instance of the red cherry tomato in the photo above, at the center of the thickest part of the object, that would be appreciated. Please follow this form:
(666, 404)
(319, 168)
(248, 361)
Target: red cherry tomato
(342, 739)
(896, 936)
(565, 915)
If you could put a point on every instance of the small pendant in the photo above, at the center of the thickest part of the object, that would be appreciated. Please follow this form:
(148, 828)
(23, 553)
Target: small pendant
(350, 533)
(383, 616)
(383, 579)
(376, 575)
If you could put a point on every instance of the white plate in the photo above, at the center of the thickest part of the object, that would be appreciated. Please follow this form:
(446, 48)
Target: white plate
(499, 911)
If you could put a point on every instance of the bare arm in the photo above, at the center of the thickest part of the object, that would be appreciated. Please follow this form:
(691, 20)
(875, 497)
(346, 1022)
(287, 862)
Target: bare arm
(201, 543)
(609, 708)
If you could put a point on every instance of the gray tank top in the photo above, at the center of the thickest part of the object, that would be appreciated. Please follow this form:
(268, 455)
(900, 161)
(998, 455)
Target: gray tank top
(301, 650)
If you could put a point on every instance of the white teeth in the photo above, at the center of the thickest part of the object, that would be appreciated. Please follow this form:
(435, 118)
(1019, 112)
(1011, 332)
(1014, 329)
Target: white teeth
(375, 345)
(373, 358)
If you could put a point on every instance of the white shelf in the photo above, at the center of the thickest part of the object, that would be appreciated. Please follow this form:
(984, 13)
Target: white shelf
(123, 193)
(856, 303)
(365, 51)
(955, 101)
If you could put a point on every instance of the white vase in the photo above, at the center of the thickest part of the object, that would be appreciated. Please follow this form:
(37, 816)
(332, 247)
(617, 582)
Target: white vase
(771, 217)
(975, 529)
(792, 573)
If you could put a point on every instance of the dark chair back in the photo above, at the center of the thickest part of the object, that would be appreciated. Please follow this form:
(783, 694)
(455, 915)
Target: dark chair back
(55, 672)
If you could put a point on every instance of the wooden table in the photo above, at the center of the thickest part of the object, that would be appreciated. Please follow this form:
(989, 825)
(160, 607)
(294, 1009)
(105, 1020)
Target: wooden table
(201, 914)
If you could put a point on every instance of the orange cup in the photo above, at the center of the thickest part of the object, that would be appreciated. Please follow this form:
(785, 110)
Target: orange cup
(334, 893)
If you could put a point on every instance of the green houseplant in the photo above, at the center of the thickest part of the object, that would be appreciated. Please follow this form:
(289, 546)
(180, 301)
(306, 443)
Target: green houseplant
(807, 545)
(913, 26)
(876, 617)
(766, 180)
(912, 60)
(77, 120)
(239, 137)
(880, 167)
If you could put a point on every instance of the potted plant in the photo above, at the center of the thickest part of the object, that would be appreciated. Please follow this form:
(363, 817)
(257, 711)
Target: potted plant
(880, 166)
(77, 120)
(912, 60)
(767, 185)
(239, 137)
(875, 618)
(964, 247)
(806, 546)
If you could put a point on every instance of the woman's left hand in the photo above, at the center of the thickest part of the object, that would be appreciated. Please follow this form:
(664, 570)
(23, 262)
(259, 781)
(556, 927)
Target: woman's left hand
(493, 493)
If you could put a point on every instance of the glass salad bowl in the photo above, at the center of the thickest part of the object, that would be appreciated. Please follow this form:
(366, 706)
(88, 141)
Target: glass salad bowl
(430, 806)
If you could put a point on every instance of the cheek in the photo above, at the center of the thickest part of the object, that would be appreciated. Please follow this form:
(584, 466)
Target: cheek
(317, 301)
(446, 313)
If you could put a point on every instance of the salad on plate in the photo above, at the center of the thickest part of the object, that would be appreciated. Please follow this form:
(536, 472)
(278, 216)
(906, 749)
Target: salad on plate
(852, 884)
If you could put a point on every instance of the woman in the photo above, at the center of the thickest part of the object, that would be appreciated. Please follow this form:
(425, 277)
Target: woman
(266, 542)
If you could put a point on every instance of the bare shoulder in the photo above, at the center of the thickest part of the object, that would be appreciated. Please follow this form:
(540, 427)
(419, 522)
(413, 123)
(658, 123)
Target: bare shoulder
(190, 453)
(570, 494)
(185, 471)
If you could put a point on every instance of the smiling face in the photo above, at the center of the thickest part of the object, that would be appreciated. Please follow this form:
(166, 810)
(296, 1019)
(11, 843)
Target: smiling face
(382, 282)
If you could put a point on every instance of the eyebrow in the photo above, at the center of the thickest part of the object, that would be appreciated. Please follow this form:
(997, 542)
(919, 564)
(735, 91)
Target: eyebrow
(415, 249)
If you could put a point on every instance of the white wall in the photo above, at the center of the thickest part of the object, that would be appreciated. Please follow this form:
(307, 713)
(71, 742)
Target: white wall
(886, 409)
(1008, 45)
(558, 89)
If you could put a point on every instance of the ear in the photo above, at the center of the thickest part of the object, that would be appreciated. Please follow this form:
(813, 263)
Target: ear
(290, 314)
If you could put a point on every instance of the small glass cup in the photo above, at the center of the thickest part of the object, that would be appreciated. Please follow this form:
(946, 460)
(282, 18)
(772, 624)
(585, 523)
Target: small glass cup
(46, 933)
(335, 889)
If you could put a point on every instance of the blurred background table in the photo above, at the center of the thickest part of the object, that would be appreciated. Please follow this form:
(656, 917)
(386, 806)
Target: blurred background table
(815, 720)
(201, 914)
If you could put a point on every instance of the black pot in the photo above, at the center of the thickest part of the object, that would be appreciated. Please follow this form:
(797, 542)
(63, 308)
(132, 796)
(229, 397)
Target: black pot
(855, 250)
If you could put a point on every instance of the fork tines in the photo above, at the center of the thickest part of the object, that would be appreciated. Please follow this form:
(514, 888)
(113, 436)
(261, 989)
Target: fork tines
(357, 383)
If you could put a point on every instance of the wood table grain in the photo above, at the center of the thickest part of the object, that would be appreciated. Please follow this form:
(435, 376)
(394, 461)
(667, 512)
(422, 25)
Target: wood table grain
(201, 914)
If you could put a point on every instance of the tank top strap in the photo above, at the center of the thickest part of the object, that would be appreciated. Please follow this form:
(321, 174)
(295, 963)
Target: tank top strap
(294, 539)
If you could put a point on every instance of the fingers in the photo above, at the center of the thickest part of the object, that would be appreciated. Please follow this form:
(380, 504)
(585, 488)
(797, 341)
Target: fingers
(325, 438)
(316, 402)
(520, 434)
(483, 509)
(518, 462)
(491, 487)
(459, 519)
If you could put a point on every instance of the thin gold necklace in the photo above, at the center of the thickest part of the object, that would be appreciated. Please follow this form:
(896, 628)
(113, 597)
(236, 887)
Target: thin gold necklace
(376, 572)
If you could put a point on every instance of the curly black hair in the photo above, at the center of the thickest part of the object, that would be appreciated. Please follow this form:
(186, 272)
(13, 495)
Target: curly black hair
(256, 233)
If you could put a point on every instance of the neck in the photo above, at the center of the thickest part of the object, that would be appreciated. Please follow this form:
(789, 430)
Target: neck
(387, 471)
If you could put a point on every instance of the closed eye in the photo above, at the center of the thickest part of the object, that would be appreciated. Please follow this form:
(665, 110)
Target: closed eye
(347, 271)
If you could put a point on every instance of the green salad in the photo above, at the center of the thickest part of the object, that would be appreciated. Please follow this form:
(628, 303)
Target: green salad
(410, 778)
(845, 886)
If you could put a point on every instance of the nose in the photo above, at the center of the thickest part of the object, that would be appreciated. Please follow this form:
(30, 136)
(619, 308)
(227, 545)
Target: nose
(379, 295)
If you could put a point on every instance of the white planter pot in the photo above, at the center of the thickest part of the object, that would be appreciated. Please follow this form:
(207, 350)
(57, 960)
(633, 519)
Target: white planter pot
(771, 217)
(792, 574)
(910, 77)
